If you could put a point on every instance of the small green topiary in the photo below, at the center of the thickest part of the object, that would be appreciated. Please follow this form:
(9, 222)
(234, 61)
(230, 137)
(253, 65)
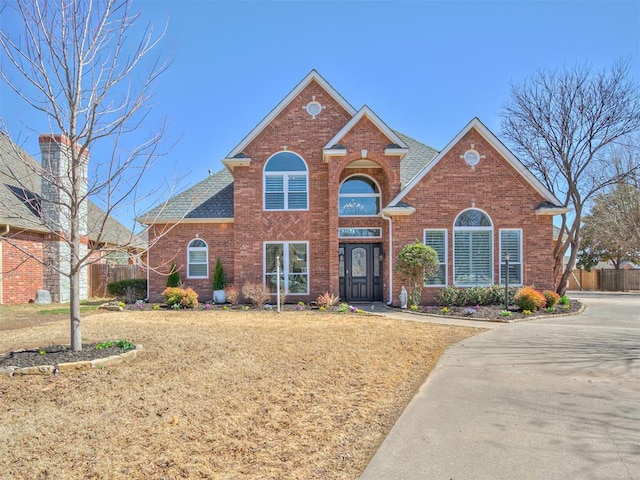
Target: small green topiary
(219, 280)
(173, 280)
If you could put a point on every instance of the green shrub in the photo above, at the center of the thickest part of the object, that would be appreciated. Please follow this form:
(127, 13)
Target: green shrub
(419, 263)
(529, 298)
(173, 280)
(564, 300)
(448, 296)
(551, 297)
(472, 296)
(219, 280)
(134, 287)
(180, 297)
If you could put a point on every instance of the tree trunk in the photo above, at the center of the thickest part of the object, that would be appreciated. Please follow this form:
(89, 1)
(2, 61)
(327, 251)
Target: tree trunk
(76, 334)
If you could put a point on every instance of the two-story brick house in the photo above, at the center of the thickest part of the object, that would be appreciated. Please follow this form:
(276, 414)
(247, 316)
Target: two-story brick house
(335, 193)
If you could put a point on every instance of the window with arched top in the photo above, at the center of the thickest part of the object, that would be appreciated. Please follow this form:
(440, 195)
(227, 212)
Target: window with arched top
(197, 259)
(472, 249)
(286, 182)
(359, 195)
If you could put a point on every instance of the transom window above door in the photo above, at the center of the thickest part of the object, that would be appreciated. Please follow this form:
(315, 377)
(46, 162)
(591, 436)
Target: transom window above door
(286, 182)
(359, 196)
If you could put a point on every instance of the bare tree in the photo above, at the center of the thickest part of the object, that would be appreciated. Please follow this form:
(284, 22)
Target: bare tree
(84, 66)
(562, 124)
(611, 230)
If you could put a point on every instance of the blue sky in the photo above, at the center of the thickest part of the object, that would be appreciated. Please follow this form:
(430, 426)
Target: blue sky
(425, 67)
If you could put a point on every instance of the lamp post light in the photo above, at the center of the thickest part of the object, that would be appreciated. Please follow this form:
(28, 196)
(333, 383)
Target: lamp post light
(506, 282)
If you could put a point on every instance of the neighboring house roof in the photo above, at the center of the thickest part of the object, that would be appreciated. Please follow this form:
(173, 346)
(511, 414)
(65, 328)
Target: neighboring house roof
(210, 199)
(554, 206)
(20, 203)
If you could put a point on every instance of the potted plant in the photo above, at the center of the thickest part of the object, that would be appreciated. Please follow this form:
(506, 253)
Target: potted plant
(219, 283)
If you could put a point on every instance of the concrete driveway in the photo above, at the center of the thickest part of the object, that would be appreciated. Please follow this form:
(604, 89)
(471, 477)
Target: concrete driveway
(547, 399)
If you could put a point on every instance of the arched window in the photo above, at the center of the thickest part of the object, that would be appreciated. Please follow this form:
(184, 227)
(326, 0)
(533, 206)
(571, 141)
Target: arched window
(197, 259)
(285, 182)
(472, 249)
(359, 195)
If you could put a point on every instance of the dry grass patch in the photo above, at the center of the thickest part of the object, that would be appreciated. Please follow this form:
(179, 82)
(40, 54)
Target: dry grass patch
(221, 395)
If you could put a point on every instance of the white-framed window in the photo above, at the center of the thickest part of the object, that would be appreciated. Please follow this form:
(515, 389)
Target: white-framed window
(294, 267)
(359, 232)
(286, 182)
(197, 259)
(436, 238)
(511, 243)
(472, 249)
(359, 196)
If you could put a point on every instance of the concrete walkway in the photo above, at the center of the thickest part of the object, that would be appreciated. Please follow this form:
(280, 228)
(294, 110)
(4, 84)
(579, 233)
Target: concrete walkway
(547, 399)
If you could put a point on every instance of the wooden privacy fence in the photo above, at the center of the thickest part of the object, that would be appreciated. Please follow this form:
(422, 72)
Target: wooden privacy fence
(620, 280)
(100, 274)
(608, 280)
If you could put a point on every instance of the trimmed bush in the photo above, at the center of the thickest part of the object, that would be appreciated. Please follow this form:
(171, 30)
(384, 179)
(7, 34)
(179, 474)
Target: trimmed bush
(183, 297)
(529, 298)
(551, 297)
(134, 287)
(472, 296)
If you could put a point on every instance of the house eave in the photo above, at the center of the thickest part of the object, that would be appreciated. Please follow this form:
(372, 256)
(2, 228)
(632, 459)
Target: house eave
(163, 221)
(232, 163)
(552, 210)
(327, 153)
(398, 211)
(400, 152)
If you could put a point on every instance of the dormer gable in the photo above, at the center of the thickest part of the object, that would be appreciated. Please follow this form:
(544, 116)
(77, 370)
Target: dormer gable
(396, 145)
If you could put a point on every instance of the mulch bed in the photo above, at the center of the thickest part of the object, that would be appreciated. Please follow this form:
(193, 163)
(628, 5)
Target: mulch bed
(495, 312)
(55, 355)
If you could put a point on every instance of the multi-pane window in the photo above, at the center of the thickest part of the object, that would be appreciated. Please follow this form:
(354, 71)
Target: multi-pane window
(472, 249)
(197, 259)
(294, 271)
(511, 243)
(285, 182)
(359, 196)
(437, 239)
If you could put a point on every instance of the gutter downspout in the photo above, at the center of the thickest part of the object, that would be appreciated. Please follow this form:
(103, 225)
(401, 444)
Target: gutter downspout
(2, 234)
(388, 219)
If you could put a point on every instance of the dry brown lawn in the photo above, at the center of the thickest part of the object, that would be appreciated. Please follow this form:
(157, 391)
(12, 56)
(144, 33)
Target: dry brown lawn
(218, 395)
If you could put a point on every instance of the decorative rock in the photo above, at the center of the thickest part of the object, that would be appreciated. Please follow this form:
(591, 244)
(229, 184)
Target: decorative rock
(43, 297)
(41, 370)
(74, 366)
(112, 307)
(7, 371)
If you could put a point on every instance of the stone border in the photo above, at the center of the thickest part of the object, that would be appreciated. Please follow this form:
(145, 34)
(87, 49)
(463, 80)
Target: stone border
(72, 366)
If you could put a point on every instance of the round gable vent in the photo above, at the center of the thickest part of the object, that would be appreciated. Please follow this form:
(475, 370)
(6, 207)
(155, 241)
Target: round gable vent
(472, 157)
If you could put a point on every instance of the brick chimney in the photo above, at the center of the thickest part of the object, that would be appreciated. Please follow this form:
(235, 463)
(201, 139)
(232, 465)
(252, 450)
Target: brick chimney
(56, 178)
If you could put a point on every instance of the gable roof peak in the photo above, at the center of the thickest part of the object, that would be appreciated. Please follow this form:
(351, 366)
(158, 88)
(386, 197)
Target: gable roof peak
(476, 124)
(313, 75)
(365, 111)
